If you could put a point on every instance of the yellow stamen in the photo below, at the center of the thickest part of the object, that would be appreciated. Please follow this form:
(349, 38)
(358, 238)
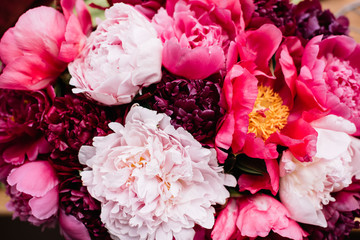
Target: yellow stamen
(268, 115)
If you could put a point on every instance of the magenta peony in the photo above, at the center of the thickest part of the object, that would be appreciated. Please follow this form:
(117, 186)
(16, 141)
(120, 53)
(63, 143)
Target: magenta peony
(255, 216)
(153, 182)
(21, 117)
(120, 57)
(196, 37)
(329, 77)
(35, 52)
(260, 112)
(33, 188)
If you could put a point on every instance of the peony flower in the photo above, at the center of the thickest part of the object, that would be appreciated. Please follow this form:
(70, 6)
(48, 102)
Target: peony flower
(329, 77)
(35, 52)
(278, 12)
(78, 206)
(311, 21)
(153, 182)
(255, 216)
(120, 57)
(21, 117)
(191, 104)
(340, 215)
(196, 37)
(260, 112)
(306, 187)
(73, 121)
(33, 189)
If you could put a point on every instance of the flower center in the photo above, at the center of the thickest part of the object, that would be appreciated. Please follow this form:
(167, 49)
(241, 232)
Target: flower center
(268, 115)
(132, 161)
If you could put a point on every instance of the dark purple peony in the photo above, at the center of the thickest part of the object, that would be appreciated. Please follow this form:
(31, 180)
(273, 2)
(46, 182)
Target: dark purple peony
(21, 116)
(340, 215)
(311, 21)
(73, 121)
(191, 104)
(76, 201)
(278, 12)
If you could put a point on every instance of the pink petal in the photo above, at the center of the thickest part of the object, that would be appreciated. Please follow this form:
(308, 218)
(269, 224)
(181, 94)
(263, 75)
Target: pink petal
(33, 178)
(82, 13)
(260, 45)
(292, 231)
(225, 225)
(9, 50)
(74, 40)
(71, 228)
(196, 63)
(35, 32)
(256, 148)
(25, 72)
(261, 213)
(340, 46)
(45, 206)
(300, 137)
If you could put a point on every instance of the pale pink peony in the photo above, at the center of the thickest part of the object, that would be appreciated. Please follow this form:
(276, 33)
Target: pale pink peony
(196, 37)
(255, 216)
(37, 50)
(120, 57)
(33, 188)
(329, 77)
(153, 182)
(306, 187)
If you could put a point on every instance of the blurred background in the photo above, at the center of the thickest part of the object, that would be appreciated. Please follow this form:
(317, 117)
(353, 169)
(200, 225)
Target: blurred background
(10, 10)
(348, 8)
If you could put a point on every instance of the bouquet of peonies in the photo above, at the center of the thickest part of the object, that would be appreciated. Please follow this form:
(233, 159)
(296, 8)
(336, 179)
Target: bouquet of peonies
(182, 119)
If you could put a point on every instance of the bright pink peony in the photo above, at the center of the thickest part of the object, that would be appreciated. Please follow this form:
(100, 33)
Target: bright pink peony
(35, 52)
(329, 78)
(255, 216)
(196, 37)
(260, 110)
(153, 182)
(33, 188)
(306, 187)
(120, 57)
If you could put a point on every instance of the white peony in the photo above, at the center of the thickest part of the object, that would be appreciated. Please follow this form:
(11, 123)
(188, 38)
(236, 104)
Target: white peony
(306, 186)
(153, 181)
(120, 57)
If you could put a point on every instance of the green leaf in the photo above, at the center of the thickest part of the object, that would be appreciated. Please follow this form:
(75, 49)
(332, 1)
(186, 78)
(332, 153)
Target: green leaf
(250, 169)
